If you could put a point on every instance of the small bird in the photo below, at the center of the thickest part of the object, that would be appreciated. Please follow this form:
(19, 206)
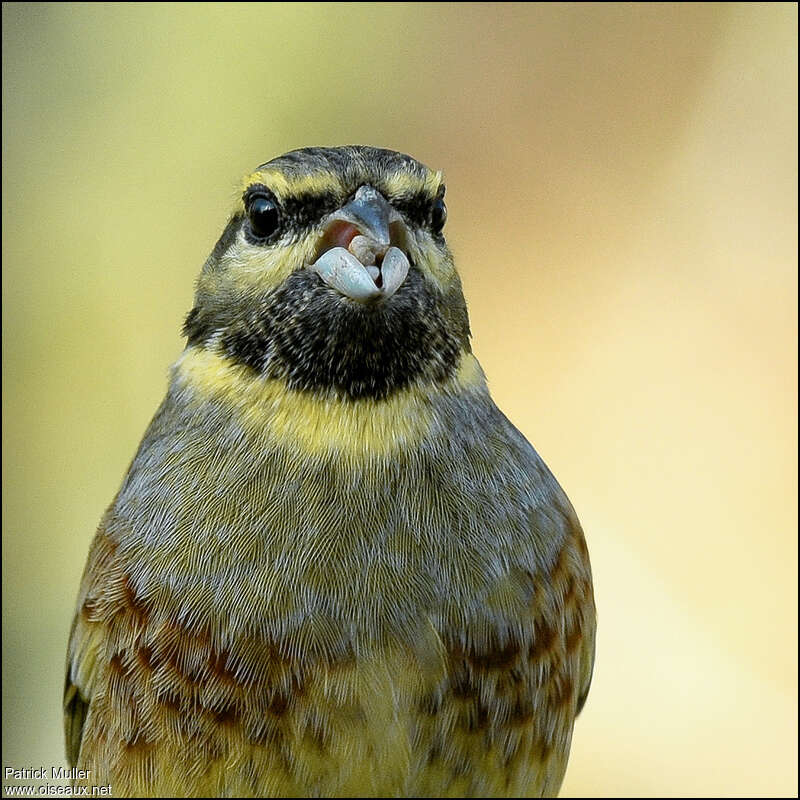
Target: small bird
(334, 567)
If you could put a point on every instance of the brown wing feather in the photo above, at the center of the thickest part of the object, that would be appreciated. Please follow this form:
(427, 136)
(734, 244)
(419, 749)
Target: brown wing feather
(76, 707)
(85, 643)
(500, 723)
(587, 682)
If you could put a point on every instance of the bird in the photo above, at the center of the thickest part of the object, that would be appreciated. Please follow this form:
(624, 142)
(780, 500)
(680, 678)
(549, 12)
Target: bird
(334, 567)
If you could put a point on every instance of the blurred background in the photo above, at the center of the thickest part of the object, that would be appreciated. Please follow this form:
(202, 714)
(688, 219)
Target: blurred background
(622, 195)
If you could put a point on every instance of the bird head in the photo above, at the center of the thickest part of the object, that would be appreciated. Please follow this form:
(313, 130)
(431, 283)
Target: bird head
(333, 275)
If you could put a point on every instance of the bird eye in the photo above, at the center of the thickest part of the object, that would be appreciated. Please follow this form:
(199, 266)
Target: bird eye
(438, 215)
(264, 215)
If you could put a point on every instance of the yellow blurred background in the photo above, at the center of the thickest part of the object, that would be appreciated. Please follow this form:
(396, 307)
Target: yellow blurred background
(622, 194)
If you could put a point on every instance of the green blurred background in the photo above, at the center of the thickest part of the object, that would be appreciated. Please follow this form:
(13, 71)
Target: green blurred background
(622, 189)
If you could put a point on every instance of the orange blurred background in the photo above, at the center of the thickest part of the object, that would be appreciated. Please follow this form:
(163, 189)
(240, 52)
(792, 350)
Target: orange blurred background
(622, 195)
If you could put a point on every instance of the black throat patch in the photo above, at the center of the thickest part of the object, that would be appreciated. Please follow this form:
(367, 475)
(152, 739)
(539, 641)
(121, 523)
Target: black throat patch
(309, 335)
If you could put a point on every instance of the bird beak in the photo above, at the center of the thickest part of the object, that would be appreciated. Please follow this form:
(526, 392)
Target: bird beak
(358, 255)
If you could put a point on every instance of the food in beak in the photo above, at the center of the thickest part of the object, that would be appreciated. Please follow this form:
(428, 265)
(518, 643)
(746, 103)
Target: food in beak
(363, 264)
(344, 271)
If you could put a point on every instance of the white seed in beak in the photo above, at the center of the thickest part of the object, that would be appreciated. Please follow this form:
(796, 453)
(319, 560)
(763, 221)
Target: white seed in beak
(394, 269)
(340, 269)
(366, 249)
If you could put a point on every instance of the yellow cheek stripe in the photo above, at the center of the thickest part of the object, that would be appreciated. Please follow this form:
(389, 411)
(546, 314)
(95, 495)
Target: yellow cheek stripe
(432, 260)
(251, 269)
(313, 423)
(255, 269)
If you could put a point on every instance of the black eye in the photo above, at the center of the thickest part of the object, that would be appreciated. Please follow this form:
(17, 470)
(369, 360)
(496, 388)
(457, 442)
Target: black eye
(438, 215)
(264, 215)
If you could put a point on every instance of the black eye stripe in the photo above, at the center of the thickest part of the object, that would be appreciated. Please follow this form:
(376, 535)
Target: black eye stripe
(299, 211)
(415, 207)
(304, 211)
(421, 209)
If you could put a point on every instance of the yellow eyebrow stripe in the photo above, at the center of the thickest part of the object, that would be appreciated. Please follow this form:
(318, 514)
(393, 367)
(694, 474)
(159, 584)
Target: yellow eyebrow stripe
(402, 183)
(398, 184)
(291, 186)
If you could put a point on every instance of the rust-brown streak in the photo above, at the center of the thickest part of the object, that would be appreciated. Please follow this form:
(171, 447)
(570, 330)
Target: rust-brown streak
(163, 687)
